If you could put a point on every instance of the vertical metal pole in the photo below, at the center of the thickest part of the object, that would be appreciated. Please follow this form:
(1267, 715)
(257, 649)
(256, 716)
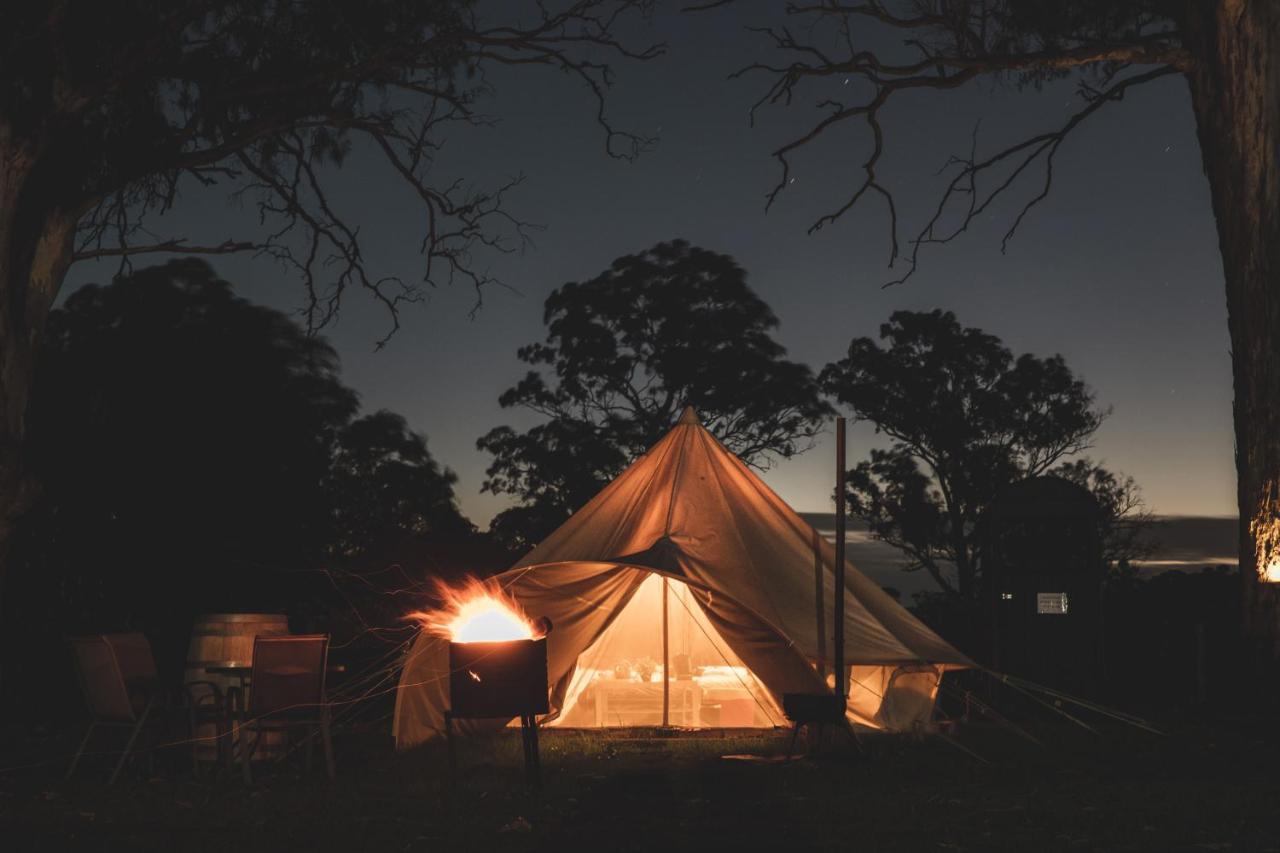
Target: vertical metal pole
(819, 596)
(842, 678)
(1202, 693)
(666, 662)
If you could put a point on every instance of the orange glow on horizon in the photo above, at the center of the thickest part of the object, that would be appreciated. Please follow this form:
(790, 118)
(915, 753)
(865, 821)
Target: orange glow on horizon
(475, 612)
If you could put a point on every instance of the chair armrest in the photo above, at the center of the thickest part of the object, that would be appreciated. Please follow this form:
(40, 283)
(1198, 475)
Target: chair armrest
(214, 689)
(149, 692)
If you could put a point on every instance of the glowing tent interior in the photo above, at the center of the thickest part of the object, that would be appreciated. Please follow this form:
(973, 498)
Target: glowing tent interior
(747, 587)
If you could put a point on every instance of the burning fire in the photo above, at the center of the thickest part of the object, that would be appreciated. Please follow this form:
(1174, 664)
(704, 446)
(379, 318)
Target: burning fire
(476, 612)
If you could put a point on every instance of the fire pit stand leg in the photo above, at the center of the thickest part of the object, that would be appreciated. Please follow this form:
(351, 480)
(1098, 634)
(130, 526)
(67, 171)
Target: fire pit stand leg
(537, 756)
(453, 753)
(532, 765)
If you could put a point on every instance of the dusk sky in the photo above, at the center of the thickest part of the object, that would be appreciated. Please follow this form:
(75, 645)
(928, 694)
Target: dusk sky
(1117, 270)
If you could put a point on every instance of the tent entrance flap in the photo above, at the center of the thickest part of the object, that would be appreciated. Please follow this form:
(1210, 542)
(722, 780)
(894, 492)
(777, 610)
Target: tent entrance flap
(620, 679)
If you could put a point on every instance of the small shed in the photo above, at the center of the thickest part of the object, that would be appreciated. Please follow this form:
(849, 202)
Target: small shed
(1043, 574)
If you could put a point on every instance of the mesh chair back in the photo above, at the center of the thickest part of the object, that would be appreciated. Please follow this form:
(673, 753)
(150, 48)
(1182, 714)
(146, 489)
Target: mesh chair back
(288, 674)
(101, 680)
(133, 654)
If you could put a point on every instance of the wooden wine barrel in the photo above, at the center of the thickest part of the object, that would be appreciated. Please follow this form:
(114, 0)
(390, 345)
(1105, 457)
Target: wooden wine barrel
(222, 639)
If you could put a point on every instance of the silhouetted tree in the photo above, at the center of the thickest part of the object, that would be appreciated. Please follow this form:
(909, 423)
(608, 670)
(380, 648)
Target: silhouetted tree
(675, 325)
(186, 427)
(199, 453)
(1228, 53)
(383, 484)
(966, 418)
(111, 111)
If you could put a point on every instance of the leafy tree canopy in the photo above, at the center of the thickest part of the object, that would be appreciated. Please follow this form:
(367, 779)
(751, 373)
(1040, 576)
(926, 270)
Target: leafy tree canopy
(383, 483)
(672, 326)
(199, 452)
(965, 418)
(110, 113)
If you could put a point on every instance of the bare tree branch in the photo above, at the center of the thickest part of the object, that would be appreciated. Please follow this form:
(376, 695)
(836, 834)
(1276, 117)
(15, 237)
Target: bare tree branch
(1022, 156)
(177, 246)
(942, 46)
(274, 132)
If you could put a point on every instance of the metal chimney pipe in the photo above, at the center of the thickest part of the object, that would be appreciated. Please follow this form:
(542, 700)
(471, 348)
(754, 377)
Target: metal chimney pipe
(842, 678)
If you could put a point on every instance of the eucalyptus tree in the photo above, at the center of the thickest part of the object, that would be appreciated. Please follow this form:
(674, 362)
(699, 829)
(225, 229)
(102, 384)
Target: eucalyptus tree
(625, 352)
(965, 418)
(854, 60)
(110, 112)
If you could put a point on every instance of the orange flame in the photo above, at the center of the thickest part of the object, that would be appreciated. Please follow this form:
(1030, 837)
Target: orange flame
(475, 612)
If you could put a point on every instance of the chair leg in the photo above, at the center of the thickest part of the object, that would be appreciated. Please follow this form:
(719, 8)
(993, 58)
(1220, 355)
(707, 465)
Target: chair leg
(195, 743)
(246, 749)
(128, 748)
(328, 744)
(226, 745)
(246, 755)
(79, 752)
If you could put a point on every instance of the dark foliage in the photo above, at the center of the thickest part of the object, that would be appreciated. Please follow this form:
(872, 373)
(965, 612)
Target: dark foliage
(965, 418)
(199, 453)
(110, 113)
(382, 482)
(673, 326)
(1173, 640)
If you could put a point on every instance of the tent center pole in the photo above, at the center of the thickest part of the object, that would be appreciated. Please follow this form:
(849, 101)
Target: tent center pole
(666, 661)
(842, 677)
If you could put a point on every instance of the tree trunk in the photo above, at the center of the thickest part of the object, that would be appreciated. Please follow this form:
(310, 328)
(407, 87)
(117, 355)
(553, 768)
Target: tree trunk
(36, 242)
(1235, 91)
(966, 571)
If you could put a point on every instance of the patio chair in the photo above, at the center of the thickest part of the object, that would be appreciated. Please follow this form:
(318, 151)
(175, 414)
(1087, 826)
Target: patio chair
(286, 692)
(106, 687)
(138, 666)
(123, 690)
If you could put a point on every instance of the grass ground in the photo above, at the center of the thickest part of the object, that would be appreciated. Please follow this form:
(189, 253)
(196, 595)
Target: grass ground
(1206, 786)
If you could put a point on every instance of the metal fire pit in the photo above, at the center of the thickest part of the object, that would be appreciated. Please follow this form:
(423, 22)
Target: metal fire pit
(495, 680)
(499, 681)
(815, 709)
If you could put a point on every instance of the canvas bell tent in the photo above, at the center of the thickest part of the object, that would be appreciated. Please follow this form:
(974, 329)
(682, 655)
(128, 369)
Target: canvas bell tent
(687, 593)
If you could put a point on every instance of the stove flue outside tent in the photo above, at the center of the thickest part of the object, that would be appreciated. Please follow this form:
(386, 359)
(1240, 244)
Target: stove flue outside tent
(687, 593)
